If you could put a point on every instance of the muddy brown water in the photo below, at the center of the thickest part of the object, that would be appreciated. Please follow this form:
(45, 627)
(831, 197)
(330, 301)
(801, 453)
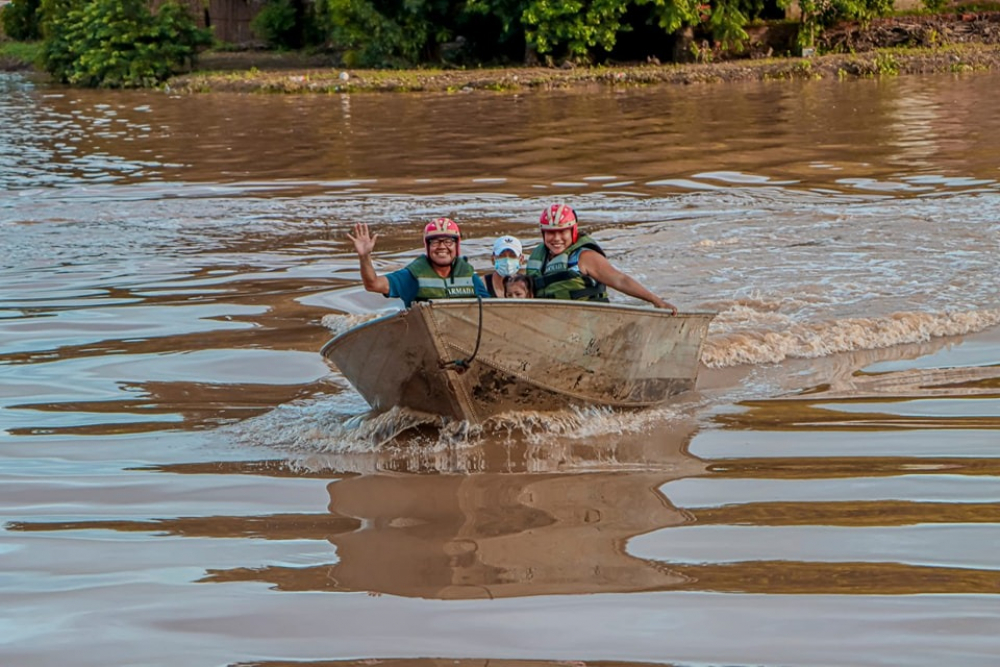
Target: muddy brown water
(183, 480)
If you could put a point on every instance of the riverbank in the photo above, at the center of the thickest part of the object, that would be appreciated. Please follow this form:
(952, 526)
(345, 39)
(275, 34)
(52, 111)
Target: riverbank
(18, 56)
(880, 62)
(922, 44)
(943, 43)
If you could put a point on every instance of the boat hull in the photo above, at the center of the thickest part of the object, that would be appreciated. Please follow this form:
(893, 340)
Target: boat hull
(466, 359)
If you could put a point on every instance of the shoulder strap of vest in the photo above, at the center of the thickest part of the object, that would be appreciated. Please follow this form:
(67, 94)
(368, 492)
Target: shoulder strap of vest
(461, 268)
(584, 242)
(421, 265)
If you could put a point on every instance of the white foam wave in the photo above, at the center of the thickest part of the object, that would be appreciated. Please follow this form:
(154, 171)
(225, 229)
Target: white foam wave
(819, 339)
(339, 323)
(342, 424)
(577, 423)
(323, 425)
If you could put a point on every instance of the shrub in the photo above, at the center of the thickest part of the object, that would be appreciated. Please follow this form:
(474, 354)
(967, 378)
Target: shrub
(820, 14)
(576, 26)
(20, 20)
(117, 43)
(278, 24)
(389, 33)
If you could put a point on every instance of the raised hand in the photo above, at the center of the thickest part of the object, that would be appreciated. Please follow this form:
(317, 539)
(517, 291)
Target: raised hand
(364, 242)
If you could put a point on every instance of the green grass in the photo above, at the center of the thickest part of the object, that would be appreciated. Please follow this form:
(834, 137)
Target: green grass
(25, 52)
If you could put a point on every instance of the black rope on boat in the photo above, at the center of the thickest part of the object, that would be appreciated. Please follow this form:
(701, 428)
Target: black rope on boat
(462, 365)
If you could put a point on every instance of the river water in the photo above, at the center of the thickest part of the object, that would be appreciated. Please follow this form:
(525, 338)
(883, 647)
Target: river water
(183, 481)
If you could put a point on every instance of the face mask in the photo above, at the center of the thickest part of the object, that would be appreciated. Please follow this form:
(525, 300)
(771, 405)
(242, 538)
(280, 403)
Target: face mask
(507, 266)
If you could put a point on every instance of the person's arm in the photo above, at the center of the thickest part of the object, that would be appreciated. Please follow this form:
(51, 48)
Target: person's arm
(402, 285)
(597, 266)
(364, 243)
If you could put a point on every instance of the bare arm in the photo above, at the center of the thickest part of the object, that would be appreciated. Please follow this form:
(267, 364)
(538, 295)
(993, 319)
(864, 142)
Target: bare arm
(364, 243)
(597, 266)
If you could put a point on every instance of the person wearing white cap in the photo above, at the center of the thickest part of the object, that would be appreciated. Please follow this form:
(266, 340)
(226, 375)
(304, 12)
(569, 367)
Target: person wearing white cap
(507, 261)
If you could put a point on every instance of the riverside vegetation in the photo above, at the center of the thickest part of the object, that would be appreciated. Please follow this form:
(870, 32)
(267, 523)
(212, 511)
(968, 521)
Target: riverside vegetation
(357, 45)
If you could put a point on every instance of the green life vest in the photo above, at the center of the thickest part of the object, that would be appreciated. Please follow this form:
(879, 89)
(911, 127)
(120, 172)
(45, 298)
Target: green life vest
(559, 278)
(431, 286)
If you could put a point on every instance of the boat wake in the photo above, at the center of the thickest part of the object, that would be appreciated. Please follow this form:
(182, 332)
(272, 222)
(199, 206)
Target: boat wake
(743, 334)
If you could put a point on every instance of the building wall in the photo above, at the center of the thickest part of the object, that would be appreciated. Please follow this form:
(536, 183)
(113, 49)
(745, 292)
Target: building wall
(230, 19)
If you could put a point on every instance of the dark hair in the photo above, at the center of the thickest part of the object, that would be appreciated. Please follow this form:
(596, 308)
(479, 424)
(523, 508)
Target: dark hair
(518, 279)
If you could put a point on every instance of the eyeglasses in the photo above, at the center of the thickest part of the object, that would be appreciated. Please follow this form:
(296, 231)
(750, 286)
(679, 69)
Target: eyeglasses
(445, 242)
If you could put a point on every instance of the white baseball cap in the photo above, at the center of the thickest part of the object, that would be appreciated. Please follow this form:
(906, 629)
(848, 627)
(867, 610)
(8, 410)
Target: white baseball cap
(506, 243)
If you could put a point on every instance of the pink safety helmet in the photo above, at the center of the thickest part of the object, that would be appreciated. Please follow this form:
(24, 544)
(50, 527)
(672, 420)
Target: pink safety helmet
(559, 216)
(442, 227)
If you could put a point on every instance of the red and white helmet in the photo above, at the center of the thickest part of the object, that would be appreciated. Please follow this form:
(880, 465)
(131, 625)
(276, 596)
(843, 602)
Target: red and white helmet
(559, 216)
(442, 227)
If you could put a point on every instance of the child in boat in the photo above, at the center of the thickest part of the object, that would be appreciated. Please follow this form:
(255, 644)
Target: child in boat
(517, 286)
(570, 265)
(507, 261)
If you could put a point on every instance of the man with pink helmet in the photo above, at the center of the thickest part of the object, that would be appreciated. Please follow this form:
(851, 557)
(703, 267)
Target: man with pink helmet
(570, 265)
(440, 273)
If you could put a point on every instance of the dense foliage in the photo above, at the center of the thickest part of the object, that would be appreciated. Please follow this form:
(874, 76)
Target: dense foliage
(276, 24)
(20, 20)
(289, 24)
(117, 43)
(401, 32)
(121, 43)
(819, 14)
(385, 33)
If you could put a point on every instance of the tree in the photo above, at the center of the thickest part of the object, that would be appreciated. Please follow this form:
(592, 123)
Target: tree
(117, 43)
(20, 20)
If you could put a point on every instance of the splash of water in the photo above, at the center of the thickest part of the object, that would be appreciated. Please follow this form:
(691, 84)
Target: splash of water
(339, 323)
(807, 340)
(341, 424)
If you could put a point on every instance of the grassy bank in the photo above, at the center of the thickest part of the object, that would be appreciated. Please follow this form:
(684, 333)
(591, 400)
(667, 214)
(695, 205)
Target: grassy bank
(955, 58)
(942, 43)
(19, 55)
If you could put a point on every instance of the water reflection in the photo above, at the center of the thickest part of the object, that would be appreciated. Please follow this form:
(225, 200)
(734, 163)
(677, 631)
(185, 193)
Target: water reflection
(166, 265)
(640, 136)
(462, 537)
(424, 532)
(449, 662)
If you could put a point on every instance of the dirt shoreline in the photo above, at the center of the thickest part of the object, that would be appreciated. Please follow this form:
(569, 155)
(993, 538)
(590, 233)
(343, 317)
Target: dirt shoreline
(953, 43)
(946, 43)
(881, 62)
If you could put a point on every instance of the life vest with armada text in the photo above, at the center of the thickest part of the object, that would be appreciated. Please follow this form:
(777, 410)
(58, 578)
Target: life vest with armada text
(431, 286)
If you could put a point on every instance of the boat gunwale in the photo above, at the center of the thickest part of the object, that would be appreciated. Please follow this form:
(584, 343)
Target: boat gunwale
(446, 303)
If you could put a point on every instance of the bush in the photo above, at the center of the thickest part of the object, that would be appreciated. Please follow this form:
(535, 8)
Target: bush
(117, 43)
(820, 14)
(577, 26)
(389, 33)
(579, 29)
(20, 20)
(278, 25)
